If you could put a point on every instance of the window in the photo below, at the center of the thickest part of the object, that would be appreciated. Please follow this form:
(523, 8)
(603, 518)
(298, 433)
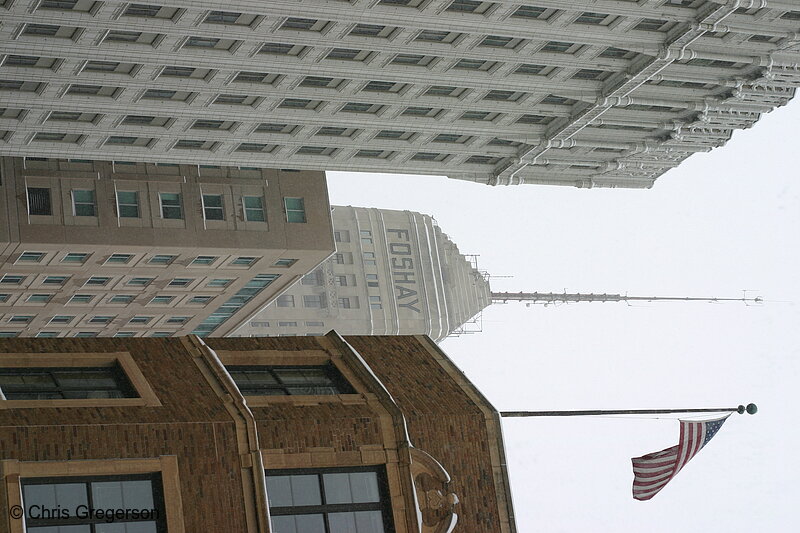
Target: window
(61, 319)
(170, 205)
(140, 282)
(287, 324)
(312, 279)
(366, 236)
(315, 324)
(121, 299)
(314, 301)
(74, 257)
(340, 281)
(73, 495)
(285, 300)
(81, 298)
(48, 383)
(101, 319)
(125, 334)
(204, 260)
(180, 282)
(39, 298)
(212, 207)
(341, 236)
(289, 380)
(375, 302)
(83, 203)
(4, 297)
(161, 299)
(369, 258)
(244, 261)
(119, 258)
(286, 263)
(47, 334)
(372, 280)
(140, 320)
(128, 204)
(39, 201)
(20, 319)
(329, 500)
(98, 281)
(347, 303)
(253, 208)
(201, 300)
(31, 257)
(295, 209)
(12, 279)
(162, 259)
(220, 282)
(178, 319)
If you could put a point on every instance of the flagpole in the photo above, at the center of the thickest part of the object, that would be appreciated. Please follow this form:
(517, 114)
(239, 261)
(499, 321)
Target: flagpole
(750, 409)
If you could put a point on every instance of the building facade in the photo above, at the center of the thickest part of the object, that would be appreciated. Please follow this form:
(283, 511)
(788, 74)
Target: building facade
(393, 273)
(92, 248)
(279, 435)
(587, 93)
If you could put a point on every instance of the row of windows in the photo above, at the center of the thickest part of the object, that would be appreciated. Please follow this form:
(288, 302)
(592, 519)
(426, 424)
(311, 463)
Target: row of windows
(85, 334)
(265, 324)
(317, 301)
(67, 320)
(320, 500)
(171, 205)
(80, 258)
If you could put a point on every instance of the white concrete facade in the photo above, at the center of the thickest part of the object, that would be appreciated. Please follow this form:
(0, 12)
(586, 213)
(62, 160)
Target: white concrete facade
(607, 93)
(393, 273)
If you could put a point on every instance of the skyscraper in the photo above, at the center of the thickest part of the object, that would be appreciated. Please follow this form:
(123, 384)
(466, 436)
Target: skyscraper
(393, 273)
(567, 92)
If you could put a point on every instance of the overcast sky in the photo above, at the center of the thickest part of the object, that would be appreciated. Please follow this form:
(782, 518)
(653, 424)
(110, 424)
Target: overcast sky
(720, 223)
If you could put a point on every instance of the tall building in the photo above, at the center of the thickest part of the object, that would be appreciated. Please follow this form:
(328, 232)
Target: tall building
(393, 273)
(588, 93)
(304, 435)
(92, 248)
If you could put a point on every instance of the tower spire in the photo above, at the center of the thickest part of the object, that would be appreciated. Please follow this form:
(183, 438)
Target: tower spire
(552, 298)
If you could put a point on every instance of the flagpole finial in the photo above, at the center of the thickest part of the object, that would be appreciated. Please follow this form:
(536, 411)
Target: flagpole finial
(751, 409)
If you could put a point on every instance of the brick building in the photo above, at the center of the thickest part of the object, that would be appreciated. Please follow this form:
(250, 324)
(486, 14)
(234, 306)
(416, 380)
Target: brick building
(320, 434)
(105, 248)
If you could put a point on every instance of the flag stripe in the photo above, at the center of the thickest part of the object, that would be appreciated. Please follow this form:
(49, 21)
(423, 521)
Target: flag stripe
(653, 471)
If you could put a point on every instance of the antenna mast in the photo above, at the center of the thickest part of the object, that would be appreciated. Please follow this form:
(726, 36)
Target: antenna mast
(552, 298)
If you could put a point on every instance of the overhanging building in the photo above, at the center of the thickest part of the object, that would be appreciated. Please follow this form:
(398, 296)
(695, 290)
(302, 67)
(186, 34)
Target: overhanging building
(568, 92)
(393, 273)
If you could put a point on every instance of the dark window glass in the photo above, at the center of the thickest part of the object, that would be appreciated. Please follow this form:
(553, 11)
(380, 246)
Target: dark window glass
(289, 380)
(39, 201)
(329, 500)
(50, 383)
(142, 493)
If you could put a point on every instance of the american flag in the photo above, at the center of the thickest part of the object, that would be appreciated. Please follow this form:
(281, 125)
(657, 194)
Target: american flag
(653, 471)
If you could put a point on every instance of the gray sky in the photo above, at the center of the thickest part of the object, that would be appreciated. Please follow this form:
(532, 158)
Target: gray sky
(720, 223)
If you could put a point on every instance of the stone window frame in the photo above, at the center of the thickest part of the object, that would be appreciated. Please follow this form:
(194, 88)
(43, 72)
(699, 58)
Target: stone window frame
(296, 358)
(13, 470)
(146, 396)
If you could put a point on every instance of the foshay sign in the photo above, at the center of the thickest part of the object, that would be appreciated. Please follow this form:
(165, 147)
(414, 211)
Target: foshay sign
(402, 266)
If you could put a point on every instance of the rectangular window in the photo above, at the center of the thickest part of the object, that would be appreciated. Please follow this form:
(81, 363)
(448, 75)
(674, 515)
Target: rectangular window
(220, 282)
(140, 282)
(289, 380)
(212, 207)
(20, 319)
(254, 208)
(204, 260)
(312, 279)
(369, 259)
(140, 320)
(170, 205)
(178, 319)
(83, 203)
(75, 257)
(284, 262)
(81, 298)
(341, 236)
(345, 499)
(366, 236)
(314, 301)
(162, 259)
(285, 300)
(98, 281)
(202, 300)
(101, 319)
(341, 281)
(295, 209)
(61, 319)
(120, 259)
(12, 279)
(315, 324)
(287, 324)
(345, 303)
(47, 383)
(73, 495)
(39, 201)
(121, 299)
(128, 204)
(244, 261)
(31, 257)
(162, 300)
(180, 282)
(375, 302)
(39, 298)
